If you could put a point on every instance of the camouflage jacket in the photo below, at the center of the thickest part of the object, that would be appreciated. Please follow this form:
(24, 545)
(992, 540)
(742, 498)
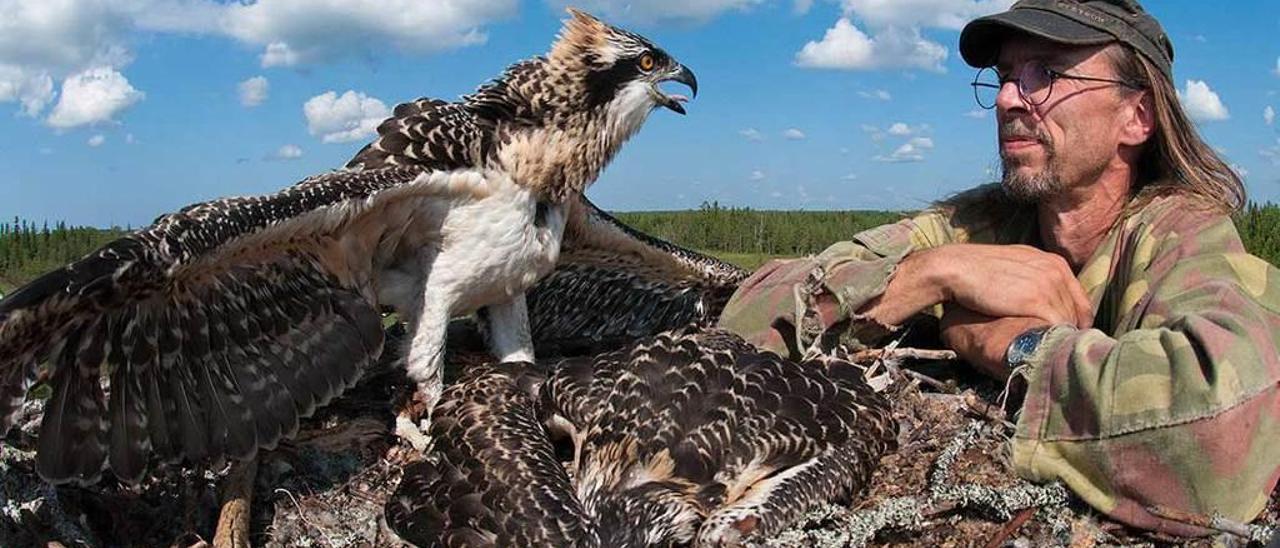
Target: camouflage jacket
(1170, 399)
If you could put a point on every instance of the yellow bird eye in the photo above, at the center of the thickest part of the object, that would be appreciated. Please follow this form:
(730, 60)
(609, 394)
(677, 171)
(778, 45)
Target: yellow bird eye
(646, 62)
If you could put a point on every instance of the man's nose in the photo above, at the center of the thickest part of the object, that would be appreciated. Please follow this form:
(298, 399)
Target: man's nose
(1009, 97)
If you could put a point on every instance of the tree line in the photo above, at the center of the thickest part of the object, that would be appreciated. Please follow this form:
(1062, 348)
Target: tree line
(28, 249)
(795, 233)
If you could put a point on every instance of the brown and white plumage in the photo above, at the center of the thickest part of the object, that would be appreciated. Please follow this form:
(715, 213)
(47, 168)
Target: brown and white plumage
(614, 284)
(689, 437)
(209, 333)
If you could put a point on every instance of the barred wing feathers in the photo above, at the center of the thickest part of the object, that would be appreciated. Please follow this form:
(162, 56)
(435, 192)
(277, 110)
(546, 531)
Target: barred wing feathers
(210, 332)
(614, 284)
(689, 437)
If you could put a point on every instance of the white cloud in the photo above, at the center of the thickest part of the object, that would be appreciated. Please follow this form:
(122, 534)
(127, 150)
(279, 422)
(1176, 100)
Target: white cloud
(658, 11)
(943, 14)
(756, 175)
(878, 94)
(846, 47)
(900, 129)
(793, 134)
(801, 7)
(1240, 170)
(910, 151)
(1277, 69)
(128, 139)
(894, 38)
(1202, 103)
(286, 152)
(850, 177)
(977, 113)
(351, 116)
(752, 134)
(32, 90)
(44, 42)
(305, 31)
(278, 54)
(97, 140)
(93, 96)
(1269, 115)
(254, 91)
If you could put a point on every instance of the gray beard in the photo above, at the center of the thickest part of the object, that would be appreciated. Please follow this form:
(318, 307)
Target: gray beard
(1030, 189)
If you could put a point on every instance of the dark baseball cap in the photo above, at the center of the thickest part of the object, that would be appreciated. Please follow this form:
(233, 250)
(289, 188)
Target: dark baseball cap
(1075, 22)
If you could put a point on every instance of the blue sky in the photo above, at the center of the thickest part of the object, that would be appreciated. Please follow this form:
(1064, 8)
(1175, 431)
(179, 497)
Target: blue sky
(115, 112)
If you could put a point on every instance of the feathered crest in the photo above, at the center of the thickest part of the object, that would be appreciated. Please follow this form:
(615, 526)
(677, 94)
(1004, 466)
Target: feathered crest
(582, 39)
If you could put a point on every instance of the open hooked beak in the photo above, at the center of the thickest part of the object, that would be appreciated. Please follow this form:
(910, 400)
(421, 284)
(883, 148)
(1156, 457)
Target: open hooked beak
(673, 101)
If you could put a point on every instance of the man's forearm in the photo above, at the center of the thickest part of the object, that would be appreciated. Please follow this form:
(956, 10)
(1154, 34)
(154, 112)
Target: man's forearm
(913, 287)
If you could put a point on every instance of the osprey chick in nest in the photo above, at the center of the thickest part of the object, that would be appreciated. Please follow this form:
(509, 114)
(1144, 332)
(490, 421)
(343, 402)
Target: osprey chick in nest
(209, 333)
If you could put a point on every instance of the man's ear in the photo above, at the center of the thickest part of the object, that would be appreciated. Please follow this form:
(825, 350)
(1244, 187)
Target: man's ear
(1140, 120)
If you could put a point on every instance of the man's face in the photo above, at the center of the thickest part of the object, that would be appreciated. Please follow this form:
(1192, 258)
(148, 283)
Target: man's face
(1068, 140)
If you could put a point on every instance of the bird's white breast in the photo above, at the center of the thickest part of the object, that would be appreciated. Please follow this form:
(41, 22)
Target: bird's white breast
(480, 250)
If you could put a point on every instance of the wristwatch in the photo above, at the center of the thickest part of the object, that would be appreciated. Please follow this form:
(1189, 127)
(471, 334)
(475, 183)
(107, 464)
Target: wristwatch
(1022, 347)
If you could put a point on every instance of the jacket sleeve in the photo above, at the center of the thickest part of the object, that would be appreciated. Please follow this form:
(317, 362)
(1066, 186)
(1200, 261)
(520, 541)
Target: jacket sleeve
(1181, 408)
(828, 289)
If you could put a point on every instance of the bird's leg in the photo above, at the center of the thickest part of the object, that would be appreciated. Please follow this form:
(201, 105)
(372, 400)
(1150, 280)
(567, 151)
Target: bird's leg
(508, 333)
(237, 495)
(424, 362)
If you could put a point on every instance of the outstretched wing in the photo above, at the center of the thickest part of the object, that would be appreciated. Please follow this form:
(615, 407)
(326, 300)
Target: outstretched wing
(614, 284)
(493, 479)
(209, 333)
(441, 135)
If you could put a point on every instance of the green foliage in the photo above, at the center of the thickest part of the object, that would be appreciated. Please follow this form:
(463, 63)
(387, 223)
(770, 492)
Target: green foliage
(1259, 227)
(742, 236)
(744, 230)
(28, 250)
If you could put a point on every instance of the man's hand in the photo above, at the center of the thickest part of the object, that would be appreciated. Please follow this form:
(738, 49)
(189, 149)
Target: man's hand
(982, 340)
(994, 280)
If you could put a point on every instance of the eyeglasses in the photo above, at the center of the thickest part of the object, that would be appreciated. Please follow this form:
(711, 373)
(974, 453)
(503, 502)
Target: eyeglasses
(1035, 84)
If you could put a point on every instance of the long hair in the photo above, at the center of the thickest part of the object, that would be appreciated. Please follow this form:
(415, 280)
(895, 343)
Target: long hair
(1175, 160)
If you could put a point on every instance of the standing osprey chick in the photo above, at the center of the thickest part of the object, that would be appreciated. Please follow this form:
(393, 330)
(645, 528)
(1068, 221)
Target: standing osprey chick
(209, 333)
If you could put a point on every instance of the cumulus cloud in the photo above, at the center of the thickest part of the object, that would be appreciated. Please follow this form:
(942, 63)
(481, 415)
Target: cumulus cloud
(286, 152)
(977, 113)
(93, 96)
(793, 134)
(33, 90)
(756, 175)
(801, 7)
(910, 151)
(97, 140)
(254, 91)
(943, 14)
(900, 129)
(879, 94)
(894, 37)
(752, 134)
(304, 31)
(278, 54)
(351, 116)
(1202, 103)
(42, 43)
(658, 11)
(846, 47)
(1269, 115)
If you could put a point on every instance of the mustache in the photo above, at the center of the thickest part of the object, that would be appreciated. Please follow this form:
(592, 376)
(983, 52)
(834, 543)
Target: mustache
(1016, 129)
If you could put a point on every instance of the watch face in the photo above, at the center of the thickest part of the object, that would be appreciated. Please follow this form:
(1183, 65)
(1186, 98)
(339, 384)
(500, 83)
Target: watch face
(1024, 346)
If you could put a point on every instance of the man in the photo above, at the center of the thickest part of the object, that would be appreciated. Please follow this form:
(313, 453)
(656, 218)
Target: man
(1104, 270)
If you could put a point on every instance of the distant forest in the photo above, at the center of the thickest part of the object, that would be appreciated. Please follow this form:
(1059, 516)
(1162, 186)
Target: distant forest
(28, 249)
